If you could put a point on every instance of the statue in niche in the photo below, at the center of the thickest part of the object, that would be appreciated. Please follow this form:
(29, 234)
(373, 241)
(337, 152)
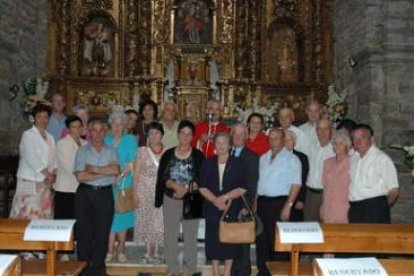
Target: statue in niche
(193, 24)
(287, 58)
(98, 48)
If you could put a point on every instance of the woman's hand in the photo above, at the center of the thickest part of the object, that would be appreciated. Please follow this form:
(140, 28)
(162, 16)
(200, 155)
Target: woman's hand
(180, 192)
(220, 202)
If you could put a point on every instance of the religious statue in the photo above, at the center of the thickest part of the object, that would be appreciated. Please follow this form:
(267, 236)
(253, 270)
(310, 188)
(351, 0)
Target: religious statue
(287, 59)
(97, 51)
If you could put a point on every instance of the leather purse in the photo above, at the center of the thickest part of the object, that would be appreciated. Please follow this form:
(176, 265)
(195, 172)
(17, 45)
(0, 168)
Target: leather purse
(124, 199)
(192, 204)
(238, 232)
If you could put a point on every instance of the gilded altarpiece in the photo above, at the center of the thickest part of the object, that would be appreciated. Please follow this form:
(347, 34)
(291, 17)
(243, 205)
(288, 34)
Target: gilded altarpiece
(106, 52)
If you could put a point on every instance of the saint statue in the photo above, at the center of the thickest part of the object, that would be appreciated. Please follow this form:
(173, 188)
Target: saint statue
(287, 63)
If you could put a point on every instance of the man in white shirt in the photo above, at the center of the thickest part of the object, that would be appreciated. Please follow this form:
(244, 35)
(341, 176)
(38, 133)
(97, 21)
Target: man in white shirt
(374, 181)
(313, 111)
(278, 187)
(170, 124)
(286, 117)
(318, 154)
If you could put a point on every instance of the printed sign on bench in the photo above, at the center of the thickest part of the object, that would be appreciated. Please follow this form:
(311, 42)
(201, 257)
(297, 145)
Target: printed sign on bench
(348, 267)
(49, 230)
(300, 232)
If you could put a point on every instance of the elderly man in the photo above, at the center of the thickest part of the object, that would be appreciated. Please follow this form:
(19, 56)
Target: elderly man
(286, 117)
(96, 166)
(242, 265)
(318, 154)
(57, 120)
(374, 182)
(278, 188)
(170, 125)
(205, 131)
(313, 112)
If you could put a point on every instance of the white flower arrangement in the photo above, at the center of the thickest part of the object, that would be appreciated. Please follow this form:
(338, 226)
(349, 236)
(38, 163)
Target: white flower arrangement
(35, 91)
(267, 111)
(336, 107)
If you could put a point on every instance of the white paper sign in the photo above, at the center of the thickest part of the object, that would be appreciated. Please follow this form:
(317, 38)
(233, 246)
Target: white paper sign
(354, 267)
(300, 232)
(49, 230)
(5, 262)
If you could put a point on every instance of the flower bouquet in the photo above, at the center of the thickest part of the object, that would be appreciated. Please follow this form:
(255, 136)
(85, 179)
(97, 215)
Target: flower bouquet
(268, 111)
(336, 107)
(409, 155)
(35, 90)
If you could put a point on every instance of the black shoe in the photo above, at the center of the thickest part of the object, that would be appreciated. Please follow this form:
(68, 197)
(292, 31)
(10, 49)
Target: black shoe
(196, 274)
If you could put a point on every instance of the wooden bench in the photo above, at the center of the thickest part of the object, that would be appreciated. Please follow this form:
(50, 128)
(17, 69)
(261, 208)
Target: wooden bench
(11, 238)
(353, 238)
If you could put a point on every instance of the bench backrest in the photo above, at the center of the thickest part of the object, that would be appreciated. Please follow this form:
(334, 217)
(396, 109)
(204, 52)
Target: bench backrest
(11, 238)
(359, 238)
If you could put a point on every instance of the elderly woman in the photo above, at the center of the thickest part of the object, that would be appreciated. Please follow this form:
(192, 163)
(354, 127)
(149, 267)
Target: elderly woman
(148, 112)
(179, 168)
(290, 143)
(335, 181)
(37, 170)
(82, 112)
(257, 141)
(126, 147)
(222, 180)
(149, 228)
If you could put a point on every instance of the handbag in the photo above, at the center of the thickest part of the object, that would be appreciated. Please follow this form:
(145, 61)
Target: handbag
(124, 199)
(237, 232)
(192, 204)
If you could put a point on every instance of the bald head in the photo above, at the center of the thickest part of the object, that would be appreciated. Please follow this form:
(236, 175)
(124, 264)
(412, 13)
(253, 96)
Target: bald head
(214, 108)
(286, 117)
(324, 131)
(313, 111)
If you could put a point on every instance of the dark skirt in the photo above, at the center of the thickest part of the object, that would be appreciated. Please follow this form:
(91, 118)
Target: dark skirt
(215, 250)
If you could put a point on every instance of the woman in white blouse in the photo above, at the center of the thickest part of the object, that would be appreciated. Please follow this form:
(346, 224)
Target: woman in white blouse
(37, 170)
(66, 183)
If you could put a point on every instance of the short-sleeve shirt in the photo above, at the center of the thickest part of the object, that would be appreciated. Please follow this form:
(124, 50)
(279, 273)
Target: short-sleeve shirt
(277, 176)
(88, 155)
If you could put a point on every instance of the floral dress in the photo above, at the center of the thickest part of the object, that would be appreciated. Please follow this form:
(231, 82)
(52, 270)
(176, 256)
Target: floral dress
(149, 225)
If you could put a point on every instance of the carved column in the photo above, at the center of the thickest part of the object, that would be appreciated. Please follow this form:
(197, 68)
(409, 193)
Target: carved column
(64, 37)
(144, 36)
(131, 37)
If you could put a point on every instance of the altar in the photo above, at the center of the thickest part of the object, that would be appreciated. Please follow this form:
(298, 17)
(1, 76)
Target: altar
(115, 52)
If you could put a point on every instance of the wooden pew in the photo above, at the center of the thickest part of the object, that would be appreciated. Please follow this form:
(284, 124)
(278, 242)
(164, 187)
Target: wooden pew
(11, 238)
(14, 268)
(354, 238)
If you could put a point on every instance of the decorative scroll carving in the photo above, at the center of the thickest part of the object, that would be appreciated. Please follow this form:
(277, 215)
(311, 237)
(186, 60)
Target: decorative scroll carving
(98, 4)
(227, 9)
(64, 37)
(287, 7)
(160, 22)
(132, 37)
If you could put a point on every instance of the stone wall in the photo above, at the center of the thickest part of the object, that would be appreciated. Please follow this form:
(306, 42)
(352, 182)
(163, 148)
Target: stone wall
(23, 54)
(378, 35)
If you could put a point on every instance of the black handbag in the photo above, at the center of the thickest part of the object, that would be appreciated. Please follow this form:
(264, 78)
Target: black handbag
(192, 204)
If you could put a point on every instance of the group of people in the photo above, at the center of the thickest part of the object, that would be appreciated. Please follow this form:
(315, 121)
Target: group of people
(74, 167)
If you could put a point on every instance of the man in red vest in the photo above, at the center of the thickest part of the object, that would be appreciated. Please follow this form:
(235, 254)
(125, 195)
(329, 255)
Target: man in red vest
(205, 131)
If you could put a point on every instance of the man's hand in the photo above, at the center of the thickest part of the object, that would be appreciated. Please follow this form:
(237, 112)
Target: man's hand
(90, 168)
(285, 214)
(220, 203)
(299, 205)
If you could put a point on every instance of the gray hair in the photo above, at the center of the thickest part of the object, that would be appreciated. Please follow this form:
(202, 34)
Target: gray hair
(342, 134)
(241, 125)
(118, 115)
(225, 135)
(291, 134)
(79, 107)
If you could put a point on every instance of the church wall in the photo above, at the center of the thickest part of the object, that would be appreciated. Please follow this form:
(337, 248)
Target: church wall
(379, 36)
(23, 54)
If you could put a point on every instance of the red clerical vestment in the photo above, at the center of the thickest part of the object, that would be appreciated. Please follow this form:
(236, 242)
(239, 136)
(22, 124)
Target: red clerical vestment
(205, 128)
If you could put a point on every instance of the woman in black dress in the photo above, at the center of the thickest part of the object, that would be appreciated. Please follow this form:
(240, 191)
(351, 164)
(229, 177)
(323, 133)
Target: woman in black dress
(222, 180)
